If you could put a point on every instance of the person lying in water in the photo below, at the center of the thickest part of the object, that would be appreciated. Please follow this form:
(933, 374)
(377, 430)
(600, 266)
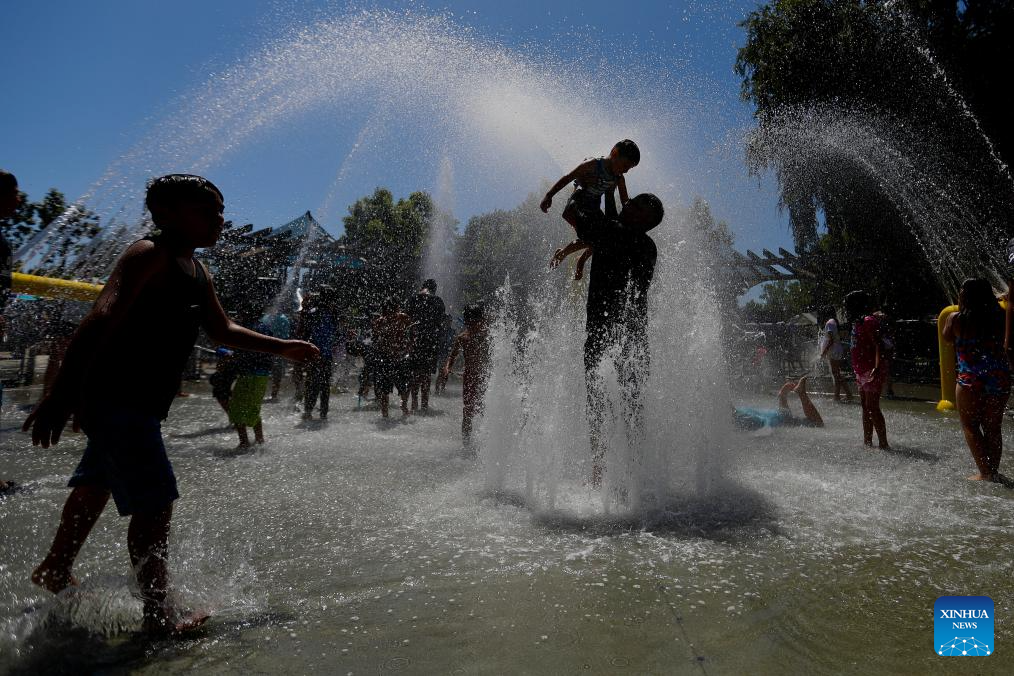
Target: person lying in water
(755, 419)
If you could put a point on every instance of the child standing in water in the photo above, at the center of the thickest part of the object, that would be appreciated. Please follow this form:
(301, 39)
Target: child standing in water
(120, 376)
(983, 382)
(593, 179)
(474, 345)
(253, 373)
(870, 363)
(392, 345)
(832, 349)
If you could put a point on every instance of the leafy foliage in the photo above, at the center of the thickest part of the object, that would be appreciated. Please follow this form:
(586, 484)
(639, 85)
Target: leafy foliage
(72, 228)
(883, 56)
(779, 301)
(21, 225)
(502, 245)
(390, 236)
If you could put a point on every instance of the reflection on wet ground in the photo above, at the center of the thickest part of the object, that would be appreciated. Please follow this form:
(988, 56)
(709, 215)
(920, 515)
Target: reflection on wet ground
(349, 547)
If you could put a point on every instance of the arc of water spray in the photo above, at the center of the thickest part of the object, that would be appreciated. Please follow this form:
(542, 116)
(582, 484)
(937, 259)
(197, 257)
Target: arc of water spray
(924, 51)
(374, 124)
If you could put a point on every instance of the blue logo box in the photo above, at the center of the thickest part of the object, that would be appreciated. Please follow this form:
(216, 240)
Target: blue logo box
(963, 626)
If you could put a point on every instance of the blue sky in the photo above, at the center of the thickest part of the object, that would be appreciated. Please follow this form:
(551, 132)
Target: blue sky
(89, 80)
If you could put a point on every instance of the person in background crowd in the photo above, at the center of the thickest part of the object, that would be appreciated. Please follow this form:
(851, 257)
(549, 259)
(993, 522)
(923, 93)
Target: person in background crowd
(391, 345)
(833, 351)
(474, 346)
(318, 324)
(280, 326)
(869, 362)
(426, 310)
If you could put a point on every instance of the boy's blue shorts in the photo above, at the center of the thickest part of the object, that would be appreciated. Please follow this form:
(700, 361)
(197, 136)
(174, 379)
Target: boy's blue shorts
(125, 455)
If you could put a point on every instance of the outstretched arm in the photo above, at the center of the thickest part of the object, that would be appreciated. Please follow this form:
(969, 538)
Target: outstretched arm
(547, 201)
(561, 254)
(621, 186)
(223, 330)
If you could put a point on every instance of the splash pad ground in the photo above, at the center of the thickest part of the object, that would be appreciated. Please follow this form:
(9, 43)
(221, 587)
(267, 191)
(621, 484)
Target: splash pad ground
(363, 547)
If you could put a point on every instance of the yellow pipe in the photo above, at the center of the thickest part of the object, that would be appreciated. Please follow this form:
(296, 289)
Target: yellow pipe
(948, 377)
(948, 360)
(49, 287)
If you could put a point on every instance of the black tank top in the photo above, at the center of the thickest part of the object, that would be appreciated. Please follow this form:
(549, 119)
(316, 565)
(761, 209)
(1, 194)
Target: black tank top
(140, 366)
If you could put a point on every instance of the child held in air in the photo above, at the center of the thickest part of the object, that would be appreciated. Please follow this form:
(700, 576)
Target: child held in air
(593, 179)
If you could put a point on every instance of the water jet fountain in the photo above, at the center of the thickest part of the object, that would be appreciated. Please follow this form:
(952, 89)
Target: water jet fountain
(359, 546)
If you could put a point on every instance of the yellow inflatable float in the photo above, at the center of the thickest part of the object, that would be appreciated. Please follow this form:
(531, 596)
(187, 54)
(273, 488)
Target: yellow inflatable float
(948, 377)
(948, 360)
(50, 287)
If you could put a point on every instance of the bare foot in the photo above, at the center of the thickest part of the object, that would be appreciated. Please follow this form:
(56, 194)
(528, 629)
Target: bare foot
(52, 579)
(801, 385)
(174, 626)
(981, 477)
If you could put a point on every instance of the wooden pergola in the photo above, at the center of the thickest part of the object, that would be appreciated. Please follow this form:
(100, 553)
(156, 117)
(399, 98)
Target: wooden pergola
(747, 271)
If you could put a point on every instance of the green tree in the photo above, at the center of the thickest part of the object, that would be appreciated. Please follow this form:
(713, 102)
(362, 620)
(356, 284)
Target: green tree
(52, 206)
(714, 238)
(390, 236)
(779, 301)
(20, 226)
(881, 58)
(72, 227)
(714, 241)
(881, 54)
(502, 245)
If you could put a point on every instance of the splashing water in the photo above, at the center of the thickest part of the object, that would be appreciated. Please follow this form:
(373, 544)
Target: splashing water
(431, 91)
(918, 42)
(367, 549)
(466, 107)
(535, 436)
(438, 260)
(916, 173)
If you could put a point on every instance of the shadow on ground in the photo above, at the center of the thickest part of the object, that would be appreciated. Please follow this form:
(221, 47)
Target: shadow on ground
(729, 513)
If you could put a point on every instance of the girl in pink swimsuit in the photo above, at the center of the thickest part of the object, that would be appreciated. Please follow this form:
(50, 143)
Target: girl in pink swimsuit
(869, 362)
